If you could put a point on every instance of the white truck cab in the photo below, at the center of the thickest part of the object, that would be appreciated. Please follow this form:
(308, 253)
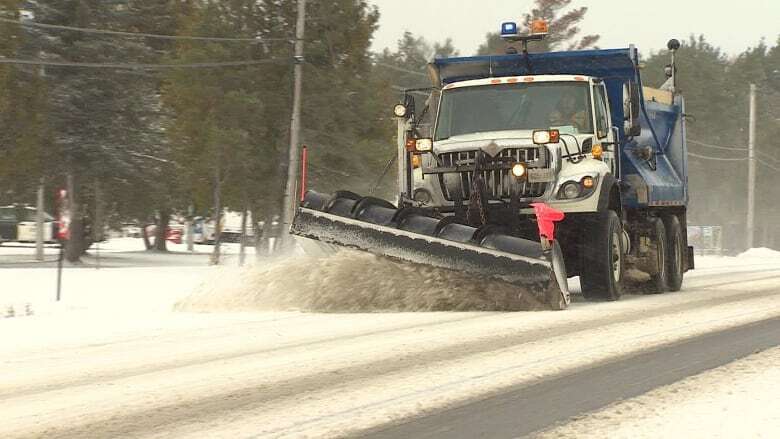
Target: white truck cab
(543, 138)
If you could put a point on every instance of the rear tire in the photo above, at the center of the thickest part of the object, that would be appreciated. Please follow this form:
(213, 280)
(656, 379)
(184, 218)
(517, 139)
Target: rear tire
(659, 282)
(675, 254)
(603, 258)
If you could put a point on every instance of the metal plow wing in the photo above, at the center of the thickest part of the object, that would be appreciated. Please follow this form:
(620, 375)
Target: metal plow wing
(410, 234)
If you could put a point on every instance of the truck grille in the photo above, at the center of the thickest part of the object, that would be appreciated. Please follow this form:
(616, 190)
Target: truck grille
(497, 181)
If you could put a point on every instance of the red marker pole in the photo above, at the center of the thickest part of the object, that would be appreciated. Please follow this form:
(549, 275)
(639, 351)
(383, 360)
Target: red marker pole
(63, 232)
(304, 165)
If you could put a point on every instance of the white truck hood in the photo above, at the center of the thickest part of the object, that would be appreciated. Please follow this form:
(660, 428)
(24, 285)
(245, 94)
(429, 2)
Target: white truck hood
(497, 140)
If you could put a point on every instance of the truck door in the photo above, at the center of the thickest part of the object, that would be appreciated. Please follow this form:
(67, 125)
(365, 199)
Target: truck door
(604, 133)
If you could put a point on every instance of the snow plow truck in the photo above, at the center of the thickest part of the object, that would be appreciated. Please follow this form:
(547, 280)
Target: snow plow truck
(531, 168)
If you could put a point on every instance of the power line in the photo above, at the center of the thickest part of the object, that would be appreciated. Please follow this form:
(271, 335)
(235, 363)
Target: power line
(768, 165)
(205, 65)
(403, 89)
(774, 168)
(149, 157)
(767, 156)
(138, 34)
(707, 145)
(400, 69)
(716, 158)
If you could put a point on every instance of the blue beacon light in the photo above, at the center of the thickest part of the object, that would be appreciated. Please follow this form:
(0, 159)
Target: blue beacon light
(509, 28)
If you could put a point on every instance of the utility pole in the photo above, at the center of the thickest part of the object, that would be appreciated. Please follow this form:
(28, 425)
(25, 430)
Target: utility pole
(97, 224)
(190, 229)
(290, 196)
(751, 201)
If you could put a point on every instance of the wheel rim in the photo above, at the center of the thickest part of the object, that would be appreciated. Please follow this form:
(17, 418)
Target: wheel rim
(661, 250)
(616, 257)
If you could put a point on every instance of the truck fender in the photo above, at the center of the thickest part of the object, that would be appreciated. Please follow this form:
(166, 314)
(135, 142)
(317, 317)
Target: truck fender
(609, 195)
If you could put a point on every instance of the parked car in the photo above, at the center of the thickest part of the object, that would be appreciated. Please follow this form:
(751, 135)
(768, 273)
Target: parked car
(131, 230)
(202, 230)
(19, 223)
(231, 226)
(8, 222)
(173, 233)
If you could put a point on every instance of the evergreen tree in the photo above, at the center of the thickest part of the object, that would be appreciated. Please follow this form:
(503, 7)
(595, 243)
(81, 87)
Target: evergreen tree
(22, 115)
(218, 134)
(101, 124)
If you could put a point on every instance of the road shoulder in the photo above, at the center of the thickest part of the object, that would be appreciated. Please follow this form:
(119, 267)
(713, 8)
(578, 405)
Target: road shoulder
(735, 400)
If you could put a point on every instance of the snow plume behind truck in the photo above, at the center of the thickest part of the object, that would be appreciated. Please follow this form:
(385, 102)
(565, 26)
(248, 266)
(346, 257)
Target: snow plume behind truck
(531, 168)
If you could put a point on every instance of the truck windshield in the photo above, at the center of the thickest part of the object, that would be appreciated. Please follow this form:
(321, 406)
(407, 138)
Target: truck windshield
(521, 106)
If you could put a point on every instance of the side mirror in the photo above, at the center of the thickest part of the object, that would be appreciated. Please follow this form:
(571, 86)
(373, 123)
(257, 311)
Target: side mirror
(631, 109)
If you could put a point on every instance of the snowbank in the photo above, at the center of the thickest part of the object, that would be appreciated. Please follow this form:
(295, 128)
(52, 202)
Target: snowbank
(735, 400)
(32, 291)
(761, 252)
(350, 281)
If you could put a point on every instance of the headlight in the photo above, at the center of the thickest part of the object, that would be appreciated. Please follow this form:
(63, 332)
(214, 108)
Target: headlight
(578, 189)
(424, 145)
(399, 110)
(422, 196)
(518, 170)
(570, 190)
(543, 137)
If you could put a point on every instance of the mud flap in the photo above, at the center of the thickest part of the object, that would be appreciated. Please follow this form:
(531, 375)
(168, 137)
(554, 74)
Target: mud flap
(690, 264)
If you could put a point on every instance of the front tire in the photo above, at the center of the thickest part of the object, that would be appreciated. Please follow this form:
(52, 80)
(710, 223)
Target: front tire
(603, 258)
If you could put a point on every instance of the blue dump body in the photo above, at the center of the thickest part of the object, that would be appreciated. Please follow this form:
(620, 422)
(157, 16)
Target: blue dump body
(661, 181)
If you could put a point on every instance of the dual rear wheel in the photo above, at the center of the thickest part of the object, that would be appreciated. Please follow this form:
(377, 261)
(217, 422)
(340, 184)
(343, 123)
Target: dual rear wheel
(670, 255)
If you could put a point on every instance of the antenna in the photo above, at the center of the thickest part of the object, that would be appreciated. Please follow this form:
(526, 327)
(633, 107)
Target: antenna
(671, 72)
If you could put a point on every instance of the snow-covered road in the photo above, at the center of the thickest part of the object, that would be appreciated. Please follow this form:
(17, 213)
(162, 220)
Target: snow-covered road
(114, 364)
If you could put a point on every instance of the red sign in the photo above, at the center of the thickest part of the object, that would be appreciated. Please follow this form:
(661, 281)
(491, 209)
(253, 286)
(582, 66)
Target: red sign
(63, 209)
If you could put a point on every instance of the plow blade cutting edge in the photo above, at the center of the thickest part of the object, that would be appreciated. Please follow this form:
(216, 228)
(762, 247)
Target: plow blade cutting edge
(411, 234)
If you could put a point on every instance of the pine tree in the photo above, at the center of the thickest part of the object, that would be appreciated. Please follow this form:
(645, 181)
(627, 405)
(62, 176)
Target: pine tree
(22, 107)
(231, 126)
(102, 124)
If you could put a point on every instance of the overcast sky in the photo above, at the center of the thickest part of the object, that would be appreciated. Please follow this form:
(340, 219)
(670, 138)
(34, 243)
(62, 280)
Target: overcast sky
(647, 24)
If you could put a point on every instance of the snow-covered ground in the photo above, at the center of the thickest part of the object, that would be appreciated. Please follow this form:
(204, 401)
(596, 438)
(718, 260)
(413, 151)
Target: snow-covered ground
(114, 359)
(738, 400)
(105, 291)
